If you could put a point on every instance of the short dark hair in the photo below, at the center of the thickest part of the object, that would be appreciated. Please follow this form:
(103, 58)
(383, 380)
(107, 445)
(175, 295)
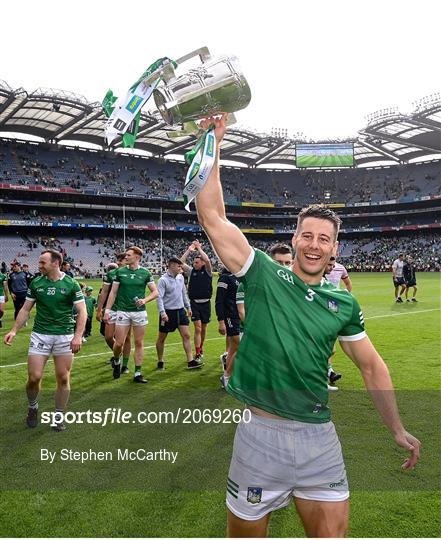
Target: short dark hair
(111, 266)
(280, 249)
(121, 256)
(319, 212)
(174, 260)
(55, 256)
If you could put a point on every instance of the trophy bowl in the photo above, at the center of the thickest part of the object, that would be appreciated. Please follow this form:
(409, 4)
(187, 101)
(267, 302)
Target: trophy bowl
(217, 85)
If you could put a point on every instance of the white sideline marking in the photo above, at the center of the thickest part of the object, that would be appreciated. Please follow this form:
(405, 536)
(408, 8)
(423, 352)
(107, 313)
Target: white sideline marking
(108, 352)
(397, 314)
(217, 338)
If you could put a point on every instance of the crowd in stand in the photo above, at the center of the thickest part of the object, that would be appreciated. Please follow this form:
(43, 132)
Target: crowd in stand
(369, 254)
(108, 173)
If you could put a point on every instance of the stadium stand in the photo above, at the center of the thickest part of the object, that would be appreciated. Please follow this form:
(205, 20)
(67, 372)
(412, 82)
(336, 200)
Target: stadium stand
(72, 197)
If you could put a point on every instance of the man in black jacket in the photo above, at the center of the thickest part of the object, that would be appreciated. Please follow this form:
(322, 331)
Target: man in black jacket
(410, 278)
(200, 290)
(18, 286)
(228, 318)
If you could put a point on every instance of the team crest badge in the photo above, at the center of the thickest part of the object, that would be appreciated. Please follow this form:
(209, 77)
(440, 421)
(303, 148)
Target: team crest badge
(333, 306)
(63, 291)
(254, 495)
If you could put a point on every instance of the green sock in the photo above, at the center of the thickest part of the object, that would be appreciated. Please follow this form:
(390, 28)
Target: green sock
(137, 370)
(125, 361)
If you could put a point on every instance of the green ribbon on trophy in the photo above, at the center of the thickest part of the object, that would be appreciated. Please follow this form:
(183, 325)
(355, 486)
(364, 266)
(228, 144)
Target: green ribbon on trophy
(217, 86)
(200, 160)
(124, 113)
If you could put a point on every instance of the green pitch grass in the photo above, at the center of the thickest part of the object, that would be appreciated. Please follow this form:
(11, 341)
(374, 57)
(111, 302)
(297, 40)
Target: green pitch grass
(187, 498)
(320, 160)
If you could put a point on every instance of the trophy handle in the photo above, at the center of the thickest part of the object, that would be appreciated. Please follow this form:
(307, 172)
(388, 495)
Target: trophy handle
(169, 71)
(203, 53)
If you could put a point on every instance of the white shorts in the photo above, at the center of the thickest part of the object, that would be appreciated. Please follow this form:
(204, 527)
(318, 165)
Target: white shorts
(112, 316)
(45, 345)
(134, 318)
(276, 460)
(2, 299)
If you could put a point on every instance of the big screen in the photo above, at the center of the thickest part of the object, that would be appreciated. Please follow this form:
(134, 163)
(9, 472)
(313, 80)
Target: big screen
(325, 155)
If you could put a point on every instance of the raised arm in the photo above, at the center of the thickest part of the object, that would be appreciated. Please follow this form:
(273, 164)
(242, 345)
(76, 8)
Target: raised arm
(203, 255)
(228, 241)
(186, 267)
(379, 385)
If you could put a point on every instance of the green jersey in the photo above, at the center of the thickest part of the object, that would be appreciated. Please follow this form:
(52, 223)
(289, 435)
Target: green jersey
(90, 304)
(109, 278)
(290, 330)
(240, 299)
(132, 285)
(3, 278)
(54, 302)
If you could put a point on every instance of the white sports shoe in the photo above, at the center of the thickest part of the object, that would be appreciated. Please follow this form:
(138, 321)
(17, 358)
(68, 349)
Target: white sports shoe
(332, 388)
(224, 381)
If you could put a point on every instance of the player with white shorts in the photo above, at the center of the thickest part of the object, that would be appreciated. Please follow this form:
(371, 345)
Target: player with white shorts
(293, 317)
(108, 329)
(54, 332)
(128, 287)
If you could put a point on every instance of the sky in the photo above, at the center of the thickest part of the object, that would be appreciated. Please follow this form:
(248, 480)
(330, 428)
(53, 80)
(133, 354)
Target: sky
(316, 67)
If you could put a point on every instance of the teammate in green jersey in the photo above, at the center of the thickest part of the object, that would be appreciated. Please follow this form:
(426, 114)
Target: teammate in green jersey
(108, 330)
(129, 286)
(54, 331)
(90, 308)
(293, 319)
(4, 294)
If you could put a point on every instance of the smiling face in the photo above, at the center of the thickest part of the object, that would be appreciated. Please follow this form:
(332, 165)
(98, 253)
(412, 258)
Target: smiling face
(46, 266)
(315, 243)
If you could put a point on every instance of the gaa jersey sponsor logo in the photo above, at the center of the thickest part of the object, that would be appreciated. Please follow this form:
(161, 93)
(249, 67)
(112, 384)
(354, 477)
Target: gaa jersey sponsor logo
(284, 275)
(134, 103)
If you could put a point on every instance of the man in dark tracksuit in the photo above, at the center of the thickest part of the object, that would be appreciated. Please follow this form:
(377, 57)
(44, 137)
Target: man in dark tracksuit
(228, 318)
(18, 286)
(410, 278)
(200, 291)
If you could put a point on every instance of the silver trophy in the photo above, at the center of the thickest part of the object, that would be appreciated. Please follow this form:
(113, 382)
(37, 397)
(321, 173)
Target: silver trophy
(218, 85)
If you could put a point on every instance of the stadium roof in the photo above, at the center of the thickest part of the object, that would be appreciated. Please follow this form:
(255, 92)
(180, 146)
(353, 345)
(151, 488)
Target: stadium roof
(57, 116)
